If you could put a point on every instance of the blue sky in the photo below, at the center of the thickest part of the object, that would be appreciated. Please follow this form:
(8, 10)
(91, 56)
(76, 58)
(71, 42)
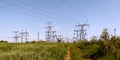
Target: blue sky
(33, 15)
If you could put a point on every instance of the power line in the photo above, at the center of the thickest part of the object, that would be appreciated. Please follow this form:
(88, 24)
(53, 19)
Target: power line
(100, 8)
(21, 12)
(75, 10)
(30, 10)
(29, 5)
(33, 13)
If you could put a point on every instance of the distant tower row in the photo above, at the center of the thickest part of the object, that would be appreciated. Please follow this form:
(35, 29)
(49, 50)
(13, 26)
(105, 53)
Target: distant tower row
(21, 35)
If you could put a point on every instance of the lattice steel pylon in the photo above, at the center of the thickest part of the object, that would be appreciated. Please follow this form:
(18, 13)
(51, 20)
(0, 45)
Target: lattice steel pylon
(80, 33)
(26, 35)
(21, 35)
(50, 33)
(16, 36)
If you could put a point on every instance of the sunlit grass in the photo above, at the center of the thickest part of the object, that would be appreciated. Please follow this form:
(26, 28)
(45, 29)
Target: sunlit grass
(32, 51)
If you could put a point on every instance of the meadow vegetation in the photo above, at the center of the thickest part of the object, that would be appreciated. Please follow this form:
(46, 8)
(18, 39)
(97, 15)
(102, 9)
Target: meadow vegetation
(32, 51)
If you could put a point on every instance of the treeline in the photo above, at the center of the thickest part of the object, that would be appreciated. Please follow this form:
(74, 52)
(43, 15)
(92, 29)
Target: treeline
(3, 41)
(107, 47)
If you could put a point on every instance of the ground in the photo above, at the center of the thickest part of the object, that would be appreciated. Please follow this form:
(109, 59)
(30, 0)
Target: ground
(67, 57)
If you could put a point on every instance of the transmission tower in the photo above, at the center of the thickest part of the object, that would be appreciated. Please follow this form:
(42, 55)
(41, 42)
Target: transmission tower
(26, 35)
(81, 31)
(16, 36)
(54, 35)
(50, 33)
(76, 32)
(21, 35)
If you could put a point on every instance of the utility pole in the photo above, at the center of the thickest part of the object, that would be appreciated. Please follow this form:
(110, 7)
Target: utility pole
(16, 37)
(114, 32)
(38, 36)
(81, 31)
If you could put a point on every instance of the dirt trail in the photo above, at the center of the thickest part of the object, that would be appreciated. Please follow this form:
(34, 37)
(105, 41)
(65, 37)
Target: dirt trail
(67, 57)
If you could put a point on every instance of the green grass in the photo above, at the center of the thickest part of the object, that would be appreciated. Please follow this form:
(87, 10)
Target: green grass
(75, 53)
(32, 51)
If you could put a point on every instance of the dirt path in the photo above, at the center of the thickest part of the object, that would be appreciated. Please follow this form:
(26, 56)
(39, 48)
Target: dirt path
(67, 57)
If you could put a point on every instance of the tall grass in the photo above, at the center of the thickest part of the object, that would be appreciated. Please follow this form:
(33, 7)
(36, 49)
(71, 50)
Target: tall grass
(32, 51)
(75, 53)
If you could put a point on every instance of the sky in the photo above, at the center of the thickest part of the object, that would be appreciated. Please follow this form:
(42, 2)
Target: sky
(32, 15)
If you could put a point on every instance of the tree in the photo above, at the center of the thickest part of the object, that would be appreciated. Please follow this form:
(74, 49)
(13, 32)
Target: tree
(105, 35)
(94, 39)
(59, 40)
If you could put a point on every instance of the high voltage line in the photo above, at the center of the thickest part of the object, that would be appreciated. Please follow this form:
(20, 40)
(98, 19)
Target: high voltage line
(75, 10)
(50, 16)
(29, 5)
(32, 11)
(46, 15)
(35, 12)
(15, 10)
(9, 26)
(100, 8)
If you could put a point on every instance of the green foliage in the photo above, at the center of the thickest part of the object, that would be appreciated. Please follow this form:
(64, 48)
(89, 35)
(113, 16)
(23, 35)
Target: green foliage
(59, 40)
(75, 53)
(105, 35)
(2, 41)
(91, 49)
(101, 49)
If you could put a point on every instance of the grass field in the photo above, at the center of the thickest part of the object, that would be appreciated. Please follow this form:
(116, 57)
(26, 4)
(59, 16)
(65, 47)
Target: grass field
(75, 53)
(32, 51)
